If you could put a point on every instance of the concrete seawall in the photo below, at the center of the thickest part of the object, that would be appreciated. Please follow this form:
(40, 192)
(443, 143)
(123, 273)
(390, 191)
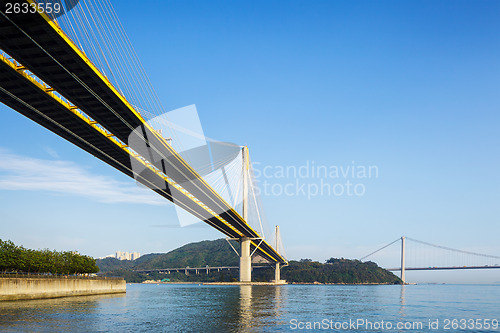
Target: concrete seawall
(38, 288)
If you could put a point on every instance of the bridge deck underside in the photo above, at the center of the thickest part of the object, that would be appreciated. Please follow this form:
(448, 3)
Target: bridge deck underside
(38, 46)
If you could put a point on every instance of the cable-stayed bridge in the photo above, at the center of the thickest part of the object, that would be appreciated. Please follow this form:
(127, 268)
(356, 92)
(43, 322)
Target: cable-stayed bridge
(416, 255)
(77, 75)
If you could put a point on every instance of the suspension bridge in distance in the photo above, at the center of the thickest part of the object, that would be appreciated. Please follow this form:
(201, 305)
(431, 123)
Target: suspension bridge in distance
(436, 260)
(57, 77)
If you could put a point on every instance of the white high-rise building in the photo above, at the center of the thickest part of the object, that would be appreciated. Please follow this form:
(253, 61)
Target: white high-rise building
(127, 255)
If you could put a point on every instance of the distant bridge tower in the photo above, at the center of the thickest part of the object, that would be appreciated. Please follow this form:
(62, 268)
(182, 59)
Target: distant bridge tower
(403, 259)
(245, 257)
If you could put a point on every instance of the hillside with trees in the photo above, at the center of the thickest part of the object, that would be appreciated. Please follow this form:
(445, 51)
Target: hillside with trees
(219, 253)
(15, 258)
(337, 271)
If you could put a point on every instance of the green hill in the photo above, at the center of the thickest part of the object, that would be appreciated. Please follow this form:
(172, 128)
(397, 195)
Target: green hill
(212, 253)
(219, 253)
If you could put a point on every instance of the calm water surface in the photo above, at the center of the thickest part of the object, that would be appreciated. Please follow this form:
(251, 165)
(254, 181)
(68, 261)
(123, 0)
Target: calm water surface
(198, 308)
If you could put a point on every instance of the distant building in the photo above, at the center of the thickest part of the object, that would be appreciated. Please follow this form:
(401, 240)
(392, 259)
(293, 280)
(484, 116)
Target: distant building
(127, 255)
(123, 255)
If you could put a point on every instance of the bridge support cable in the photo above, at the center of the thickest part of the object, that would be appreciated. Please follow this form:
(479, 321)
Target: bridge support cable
(257, 247)
(454, 250)
(383, 247)
(228, 240)
(101, 35)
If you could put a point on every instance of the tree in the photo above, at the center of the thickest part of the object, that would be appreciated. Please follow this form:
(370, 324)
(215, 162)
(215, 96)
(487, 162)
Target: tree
(15, 258)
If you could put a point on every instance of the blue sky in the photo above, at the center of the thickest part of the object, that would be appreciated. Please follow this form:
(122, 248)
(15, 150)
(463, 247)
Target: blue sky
(411, 87)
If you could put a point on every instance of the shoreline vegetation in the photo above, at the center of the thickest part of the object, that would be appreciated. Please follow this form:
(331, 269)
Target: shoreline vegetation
(15, 258)
(219, 253)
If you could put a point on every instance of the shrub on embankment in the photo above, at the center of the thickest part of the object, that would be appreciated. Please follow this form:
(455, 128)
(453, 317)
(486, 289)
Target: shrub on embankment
(15, 258)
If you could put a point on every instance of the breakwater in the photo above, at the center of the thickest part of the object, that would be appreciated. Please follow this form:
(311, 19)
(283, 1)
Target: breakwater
(39, 287)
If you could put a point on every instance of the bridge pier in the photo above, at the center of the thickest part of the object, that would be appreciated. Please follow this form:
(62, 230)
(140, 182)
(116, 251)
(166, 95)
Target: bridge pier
(277, 273)
(245, 260)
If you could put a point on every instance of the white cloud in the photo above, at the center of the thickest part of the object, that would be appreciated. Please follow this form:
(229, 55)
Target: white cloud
(21, 173)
